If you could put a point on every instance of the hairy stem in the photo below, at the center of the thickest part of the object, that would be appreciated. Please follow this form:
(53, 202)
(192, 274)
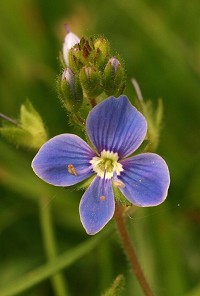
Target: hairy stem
(130, 252)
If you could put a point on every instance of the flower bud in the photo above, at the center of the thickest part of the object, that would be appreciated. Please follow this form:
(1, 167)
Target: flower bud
(102, 48)
(90, 79)
(102, 44)
(82, 54)
(70, 91)
(68, 76)
(113, 77)
(74, 59)
(70, 40)
(115, 64)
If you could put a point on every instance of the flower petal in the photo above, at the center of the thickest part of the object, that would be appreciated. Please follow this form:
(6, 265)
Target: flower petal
(117, 126)
(146, 178)
(63, 160)
(97, 205)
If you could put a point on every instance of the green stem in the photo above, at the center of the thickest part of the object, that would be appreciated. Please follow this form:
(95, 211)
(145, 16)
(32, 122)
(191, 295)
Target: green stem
(130, 252)
(58, 281)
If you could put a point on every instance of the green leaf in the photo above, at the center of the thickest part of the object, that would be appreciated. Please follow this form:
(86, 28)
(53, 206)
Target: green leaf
(30, 132)
(154, 118)
(159, 114)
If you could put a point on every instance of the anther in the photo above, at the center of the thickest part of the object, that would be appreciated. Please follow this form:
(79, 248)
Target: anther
(102, 197)
(72, 170)
(119, 183)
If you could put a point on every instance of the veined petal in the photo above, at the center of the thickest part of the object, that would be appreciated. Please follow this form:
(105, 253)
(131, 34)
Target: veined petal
(97, 205)
(146, 178)
(63, 160)
(117, 126)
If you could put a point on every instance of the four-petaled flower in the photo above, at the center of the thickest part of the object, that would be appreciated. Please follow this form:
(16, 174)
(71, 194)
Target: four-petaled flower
(116, 129)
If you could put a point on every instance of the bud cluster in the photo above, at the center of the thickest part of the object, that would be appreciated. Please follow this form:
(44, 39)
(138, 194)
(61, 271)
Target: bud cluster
(91, 72)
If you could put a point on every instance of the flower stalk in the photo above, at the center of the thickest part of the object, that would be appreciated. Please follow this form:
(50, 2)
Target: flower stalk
(129, 250)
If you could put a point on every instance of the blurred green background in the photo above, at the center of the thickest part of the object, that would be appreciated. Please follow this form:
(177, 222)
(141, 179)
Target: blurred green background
(160, 44)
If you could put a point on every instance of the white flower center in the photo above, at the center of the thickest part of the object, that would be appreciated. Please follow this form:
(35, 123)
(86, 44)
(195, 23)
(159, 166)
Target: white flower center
(106, 164)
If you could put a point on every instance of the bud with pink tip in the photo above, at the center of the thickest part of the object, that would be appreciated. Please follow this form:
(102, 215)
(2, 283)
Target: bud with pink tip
(70, 40)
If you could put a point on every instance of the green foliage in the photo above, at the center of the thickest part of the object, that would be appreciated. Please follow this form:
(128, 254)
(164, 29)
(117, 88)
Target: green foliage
(159, 42)
(154, 122)
(117, 287)
(30, 132)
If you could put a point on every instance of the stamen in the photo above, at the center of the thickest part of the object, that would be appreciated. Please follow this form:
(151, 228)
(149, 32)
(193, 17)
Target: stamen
(72, 170)
(106, 165)
(119, 183)
(102, 197)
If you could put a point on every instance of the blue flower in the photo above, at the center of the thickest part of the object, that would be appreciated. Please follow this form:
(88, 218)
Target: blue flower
(116, 129)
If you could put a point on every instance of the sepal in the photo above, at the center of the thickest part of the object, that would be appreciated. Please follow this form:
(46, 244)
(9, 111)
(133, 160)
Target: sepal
(82, 54)
(70, 91)
(102, 50)
(119, 197)
(90, 79)
(114, 77)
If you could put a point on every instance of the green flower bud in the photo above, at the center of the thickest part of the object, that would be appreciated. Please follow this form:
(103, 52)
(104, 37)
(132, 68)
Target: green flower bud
(87, 48)
(75, 61)
(70, 91)
(90, 79)
(82, 54)
(113, 77)
(102, 44)
(102, 48)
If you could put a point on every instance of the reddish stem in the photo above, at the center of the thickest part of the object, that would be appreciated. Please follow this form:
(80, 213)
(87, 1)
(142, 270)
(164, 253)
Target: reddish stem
(130, 252)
